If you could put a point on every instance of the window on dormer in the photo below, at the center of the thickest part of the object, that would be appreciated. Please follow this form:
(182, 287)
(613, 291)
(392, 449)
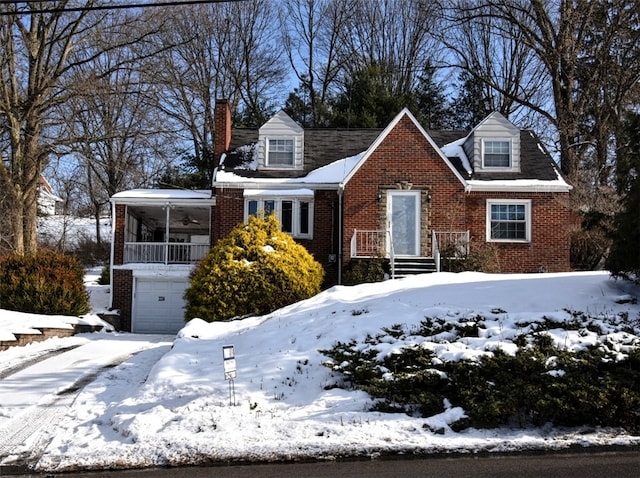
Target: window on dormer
(496, 154)
(280, 152)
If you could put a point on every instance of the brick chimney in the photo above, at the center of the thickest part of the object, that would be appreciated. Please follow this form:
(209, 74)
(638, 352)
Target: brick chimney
(222, 127)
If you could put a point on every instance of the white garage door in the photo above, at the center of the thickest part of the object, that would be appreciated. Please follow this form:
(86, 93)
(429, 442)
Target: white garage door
(158, 306)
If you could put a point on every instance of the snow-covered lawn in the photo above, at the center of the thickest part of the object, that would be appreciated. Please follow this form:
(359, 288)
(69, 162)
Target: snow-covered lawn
(183, 411)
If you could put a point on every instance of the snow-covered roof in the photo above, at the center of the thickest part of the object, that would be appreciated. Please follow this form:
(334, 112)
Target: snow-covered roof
(326, 177)
(160, 195)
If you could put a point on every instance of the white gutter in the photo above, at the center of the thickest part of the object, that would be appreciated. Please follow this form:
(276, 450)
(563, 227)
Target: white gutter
(529, 187)
(276, 184)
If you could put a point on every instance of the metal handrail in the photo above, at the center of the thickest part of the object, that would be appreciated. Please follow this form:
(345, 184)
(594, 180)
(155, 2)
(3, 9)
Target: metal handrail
(435, 251)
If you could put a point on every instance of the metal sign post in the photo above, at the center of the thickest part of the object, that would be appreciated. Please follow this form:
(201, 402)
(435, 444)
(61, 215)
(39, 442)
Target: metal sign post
(229, 365)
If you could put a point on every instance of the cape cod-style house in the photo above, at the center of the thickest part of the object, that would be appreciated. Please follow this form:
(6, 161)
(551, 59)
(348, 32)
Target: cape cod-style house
(401, 192)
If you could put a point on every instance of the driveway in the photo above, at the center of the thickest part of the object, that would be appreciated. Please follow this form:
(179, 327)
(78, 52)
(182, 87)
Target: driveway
(37, 388)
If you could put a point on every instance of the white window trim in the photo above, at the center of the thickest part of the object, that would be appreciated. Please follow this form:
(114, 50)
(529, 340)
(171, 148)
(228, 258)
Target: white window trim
(525, 202)
(278, 210)
(268, 164)
(497, 168)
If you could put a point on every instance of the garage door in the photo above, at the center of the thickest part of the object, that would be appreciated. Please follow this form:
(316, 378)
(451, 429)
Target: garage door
(158, 306)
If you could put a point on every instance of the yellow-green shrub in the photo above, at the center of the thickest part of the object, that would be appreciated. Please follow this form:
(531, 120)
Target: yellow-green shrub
(253, 271)
(43, 283)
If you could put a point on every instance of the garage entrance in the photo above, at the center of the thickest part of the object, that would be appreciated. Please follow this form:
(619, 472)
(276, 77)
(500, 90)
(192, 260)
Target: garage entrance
(158, 306)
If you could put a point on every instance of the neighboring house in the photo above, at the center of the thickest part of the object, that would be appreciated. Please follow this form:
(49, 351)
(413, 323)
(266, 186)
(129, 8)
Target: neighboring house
(400, 192)
(48, 203)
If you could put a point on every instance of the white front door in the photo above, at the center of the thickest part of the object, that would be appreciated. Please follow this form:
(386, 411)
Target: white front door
(403, 216)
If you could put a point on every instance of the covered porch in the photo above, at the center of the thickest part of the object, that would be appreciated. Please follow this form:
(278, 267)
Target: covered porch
(165, 229)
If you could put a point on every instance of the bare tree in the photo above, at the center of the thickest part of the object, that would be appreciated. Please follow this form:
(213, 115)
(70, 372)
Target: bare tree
(563, 35)
(42, 46)
(113, 131)
(35, 55)
(396, 35)
(230, 52)
(312, 36)
(494, 54)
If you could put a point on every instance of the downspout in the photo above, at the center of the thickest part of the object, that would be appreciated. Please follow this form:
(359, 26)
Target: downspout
(340, 235)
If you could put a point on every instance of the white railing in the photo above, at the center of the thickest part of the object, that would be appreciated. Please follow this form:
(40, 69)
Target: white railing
(435, 250)
(164, 253)
(452, 243)
(368, 243)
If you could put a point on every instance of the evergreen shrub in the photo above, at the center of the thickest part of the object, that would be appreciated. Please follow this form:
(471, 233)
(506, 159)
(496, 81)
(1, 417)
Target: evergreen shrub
(539, 384)
(43, 283)
(360, 271)
(255, 270)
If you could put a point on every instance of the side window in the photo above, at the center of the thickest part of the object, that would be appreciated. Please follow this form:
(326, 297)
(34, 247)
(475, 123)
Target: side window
(305, 217)
(286, 216)
(509, 221)
(295, 215)
(252, 208)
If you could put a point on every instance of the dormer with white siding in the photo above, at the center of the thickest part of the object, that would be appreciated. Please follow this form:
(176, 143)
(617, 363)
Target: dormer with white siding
(494, 145)
(281, 144)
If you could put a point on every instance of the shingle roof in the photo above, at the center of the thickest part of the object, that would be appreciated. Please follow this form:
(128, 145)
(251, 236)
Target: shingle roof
(324, 146)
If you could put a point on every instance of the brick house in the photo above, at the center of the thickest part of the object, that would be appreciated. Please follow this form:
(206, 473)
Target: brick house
(347, 194)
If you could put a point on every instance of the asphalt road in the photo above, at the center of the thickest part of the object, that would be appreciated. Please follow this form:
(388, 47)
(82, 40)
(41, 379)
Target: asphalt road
(579, 465)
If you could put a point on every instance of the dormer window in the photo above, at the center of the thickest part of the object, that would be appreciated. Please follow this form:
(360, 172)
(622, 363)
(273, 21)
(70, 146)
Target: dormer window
(281, 144)
(494, 146)
(280, 152)
(496, 153)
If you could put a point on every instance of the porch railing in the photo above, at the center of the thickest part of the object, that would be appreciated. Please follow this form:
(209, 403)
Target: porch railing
(164, 253)
(368, 243)
(373, 243)
(435, 250)
(452, 244)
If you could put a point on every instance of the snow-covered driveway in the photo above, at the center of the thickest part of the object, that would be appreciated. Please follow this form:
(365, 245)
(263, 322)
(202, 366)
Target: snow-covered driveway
(38, 386)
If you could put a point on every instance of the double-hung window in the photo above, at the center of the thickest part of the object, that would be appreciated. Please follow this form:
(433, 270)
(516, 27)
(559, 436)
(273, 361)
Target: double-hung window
(280, 152)
(496, 153)
(509, 220)
(294, 214)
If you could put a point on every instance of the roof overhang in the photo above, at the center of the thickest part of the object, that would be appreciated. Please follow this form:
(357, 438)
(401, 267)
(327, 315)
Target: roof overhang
(518, 186)
(165, 196)
(276, 185)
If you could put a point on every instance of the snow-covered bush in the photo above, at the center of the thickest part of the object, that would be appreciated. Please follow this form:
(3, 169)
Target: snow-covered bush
(43, 283)
(255, 270)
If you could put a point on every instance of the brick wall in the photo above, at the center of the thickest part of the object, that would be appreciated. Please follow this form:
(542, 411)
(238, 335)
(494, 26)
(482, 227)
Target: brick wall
(230, 213)
(122, 289)
(405, 160)
(118, 234)
(548, 249)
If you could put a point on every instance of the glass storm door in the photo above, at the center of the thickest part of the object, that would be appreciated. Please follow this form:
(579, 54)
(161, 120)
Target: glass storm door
(403, 216)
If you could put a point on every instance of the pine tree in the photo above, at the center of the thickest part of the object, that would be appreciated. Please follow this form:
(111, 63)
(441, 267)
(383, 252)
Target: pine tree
(624, 256)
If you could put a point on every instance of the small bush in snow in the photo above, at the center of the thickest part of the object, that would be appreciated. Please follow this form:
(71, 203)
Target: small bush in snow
(253, 271)
(43, 283)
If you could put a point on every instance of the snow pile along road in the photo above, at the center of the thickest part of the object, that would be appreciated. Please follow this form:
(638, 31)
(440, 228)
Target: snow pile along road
(284, 405)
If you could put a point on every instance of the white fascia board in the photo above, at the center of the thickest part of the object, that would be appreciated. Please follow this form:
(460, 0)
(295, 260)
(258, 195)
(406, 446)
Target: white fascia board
(276, 185)
(518, 186)
(158, 271)
(386, 132)
(164, 196)
(300, 192)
